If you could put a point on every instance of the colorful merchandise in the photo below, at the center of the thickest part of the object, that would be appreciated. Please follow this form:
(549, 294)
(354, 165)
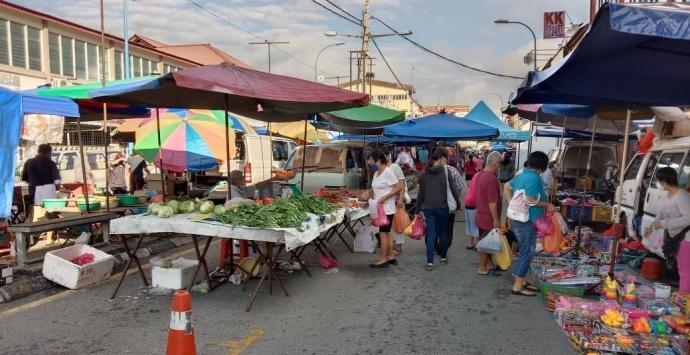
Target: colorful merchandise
(609, 292)
(630, 297)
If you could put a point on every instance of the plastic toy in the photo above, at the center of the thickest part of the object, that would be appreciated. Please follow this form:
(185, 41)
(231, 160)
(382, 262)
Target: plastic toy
(609, 292)
(630, 296)
(613, 318)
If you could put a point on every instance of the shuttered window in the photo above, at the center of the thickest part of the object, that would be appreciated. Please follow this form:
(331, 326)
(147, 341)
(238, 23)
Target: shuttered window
(67, 56)
(18, 41)
(80, 59)
(34, 43)
(54, 53)
(92, 54)
(118, 65)
(4, 42)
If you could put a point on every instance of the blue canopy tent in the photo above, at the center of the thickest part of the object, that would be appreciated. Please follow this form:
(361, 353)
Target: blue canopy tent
(441, 126)
(558, 132)
(379, 139)
(13, 106)
(481, 113)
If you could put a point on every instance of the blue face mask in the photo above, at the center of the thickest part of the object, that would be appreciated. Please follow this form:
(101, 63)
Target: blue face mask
(373, 167)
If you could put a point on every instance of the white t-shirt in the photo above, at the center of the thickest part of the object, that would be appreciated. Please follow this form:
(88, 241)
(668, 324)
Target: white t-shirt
(547, 178)
(382, 185)
(397, 170)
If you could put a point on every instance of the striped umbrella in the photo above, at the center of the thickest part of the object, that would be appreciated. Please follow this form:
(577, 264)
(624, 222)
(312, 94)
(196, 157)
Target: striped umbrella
(191, 139)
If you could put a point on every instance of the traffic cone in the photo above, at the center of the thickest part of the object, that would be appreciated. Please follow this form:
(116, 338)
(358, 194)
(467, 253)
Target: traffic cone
(181, 331)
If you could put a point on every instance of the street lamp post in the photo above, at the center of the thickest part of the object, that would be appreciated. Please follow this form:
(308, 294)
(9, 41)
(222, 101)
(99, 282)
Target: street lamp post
(126, 35)
(499, 97)
(316, 62)
(503, 22)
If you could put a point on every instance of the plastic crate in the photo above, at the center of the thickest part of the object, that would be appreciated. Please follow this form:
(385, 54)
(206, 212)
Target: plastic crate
(58, 268)
(577, 291)
(573, 213)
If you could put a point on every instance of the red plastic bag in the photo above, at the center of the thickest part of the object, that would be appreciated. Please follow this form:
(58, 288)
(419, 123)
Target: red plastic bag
(327, 262)
(417, 229)
(552, 241)
(400, 220)
(381, 219)
(544, 224)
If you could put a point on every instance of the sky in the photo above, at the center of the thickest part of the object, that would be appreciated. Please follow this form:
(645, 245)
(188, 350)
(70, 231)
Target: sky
(459, 29)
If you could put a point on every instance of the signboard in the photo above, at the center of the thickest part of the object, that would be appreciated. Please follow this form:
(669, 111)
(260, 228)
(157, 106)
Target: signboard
(554, 24)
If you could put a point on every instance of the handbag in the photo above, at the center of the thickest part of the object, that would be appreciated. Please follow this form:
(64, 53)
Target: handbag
(491, 244)
(416, 229)
(400, 220)
(518, 208)
(452, 204)
(381, 219)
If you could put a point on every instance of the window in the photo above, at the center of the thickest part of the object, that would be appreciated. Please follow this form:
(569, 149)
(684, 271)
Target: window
(34, 43)
(54, 52)
(146, 67)
(154, 68)
(93, 64)
(4, 43)
(80, 58)
(118, 65)
(67, 161)
(684, 173)
(136, 66)
(67, 56)
(18, 41)
(672, 160)
(280, 151)
(96, 161)
(634, 167)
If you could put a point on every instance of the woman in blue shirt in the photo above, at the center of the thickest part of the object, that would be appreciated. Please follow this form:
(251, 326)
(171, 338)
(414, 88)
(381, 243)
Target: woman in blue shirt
(525, 232)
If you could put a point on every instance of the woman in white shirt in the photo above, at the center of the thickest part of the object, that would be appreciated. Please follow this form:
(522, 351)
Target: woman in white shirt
(385, 186)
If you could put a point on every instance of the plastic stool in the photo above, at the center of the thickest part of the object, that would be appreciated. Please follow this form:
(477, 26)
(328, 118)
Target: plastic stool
(651, 268)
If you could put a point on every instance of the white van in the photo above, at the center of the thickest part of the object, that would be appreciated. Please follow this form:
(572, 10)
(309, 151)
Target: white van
(66, 158)
(282, 149)
(572, 161)
(641, 191)
(328, 165)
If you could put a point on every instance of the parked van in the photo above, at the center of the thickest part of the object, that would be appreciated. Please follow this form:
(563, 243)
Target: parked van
(572, 161)
(642, 194)
(328, 165)
(282, 149)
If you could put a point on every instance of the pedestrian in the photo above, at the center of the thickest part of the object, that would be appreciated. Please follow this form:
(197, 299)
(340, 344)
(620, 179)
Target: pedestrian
(507, 170)
(479, 162)
(470, 167)
(116, 175)
(535, 197)
(457, 180)
(42, 175)
(488, 212)
(432, 201)
(547, 176)
(137, 167)
(674, 219)
(400, 200)
(385, 187)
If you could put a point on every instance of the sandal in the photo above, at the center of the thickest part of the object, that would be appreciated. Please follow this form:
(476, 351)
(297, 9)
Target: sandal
(524, 292)
(489, 273)
(531, 287)
(469, 247)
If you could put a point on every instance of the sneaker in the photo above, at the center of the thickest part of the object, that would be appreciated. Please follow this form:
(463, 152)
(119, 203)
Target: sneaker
(429, 267)
(444, 260)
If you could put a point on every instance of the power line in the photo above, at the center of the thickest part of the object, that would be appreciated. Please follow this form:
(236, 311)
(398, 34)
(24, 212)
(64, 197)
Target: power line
(343, 11)
(444, 57)
(336, 13)
(392, 72)
(250, 33)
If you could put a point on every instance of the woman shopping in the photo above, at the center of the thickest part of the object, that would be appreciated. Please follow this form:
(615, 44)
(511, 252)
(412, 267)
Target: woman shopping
(385, 187)
(432, 201)
(674, 219)
(527, 196)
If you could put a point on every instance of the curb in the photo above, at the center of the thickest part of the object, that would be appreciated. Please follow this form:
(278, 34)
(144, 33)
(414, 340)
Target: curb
(29, 285)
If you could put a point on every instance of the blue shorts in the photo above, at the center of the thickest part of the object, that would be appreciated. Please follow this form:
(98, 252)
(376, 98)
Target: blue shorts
(471, 223)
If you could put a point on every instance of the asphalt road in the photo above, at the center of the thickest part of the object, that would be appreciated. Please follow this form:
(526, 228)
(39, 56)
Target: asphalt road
(402, 310)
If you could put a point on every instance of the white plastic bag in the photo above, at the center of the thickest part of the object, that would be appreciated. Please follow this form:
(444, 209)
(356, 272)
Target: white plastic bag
(562, 223)
(365, 240)
(491, 244)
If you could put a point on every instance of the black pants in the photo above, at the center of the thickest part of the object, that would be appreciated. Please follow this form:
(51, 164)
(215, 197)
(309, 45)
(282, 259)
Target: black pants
(449, 230)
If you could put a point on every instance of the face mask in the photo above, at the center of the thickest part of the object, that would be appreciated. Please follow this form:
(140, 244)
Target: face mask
(373, 167)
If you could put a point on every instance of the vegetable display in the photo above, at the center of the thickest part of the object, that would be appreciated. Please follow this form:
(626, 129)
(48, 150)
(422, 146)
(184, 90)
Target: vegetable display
(313, 204)
(154, 207)
(282, 213)
(187, 207)
(175, 205)
(220, 209)
(165, 212)
(206, 207)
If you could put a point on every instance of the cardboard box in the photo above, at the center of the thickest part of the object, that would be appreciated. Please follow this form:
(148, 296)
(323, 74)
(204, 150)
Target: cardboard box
(602, 214)
(153, 182)
(58, 268)
(177, 277)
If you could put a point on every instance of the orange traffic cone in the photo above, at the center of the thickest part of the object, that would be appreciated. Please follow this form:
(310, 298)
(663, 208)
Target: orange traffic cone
(181, 331)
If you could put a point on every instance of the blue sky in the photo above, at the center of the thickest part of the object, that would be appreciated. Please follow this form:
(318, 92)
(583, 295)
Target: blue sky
(460, 29)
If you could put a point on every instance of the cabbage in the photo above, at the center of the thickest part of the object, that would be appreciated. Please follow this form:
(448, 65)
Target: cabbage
(165, 212)
(175, 205)
(187, 207)
(206, 207)
(153, 207)
(220, 209)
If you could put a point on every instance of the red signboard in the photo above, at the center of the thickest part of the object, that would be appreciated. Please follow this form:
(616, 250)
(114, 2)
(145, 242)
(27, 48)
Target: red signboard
(554, 24)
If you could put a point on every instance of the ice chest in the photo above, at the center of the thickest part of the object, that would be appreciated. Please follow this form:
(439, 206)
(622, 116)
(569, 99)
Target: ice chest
(177, 277)
(58, 268)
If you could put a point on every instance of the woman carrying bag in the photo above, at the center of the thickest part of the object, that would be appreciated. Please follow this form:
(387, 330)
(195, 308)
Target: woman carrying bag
(432, 201)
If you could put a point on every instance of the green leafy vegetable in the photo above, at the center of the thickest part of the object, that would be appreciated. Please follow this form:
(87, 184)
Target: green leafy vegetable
(206, 207)
(165, 212)
(280, 214)
(313, 204)
(187, 206)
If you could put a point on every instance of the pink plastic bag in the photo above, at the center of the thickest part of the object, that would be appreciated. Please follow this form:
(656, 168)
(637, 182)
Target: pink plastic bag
(544, 224)
(417, 229)
(381, 219)
(327, 262)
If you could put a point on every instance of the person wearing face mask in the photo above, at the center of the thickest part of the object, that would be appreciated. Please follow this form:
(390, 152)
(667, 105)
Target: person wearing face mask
(385, 187)
(674, 219)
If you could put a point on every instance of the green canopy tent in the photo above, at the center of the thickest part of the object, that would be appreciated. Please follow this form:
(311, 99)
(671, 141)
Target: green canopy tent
(370, 116)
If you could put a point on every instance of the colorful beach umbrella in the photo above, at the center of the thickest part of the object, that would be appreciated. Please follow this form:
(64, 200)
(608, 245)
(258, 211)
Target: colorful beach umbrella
(191, 139)
(295, 130)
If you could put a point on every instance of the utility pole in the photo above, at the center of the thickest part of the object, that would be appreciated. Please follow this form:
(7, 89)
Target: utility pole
(366, 36)
(268, 45)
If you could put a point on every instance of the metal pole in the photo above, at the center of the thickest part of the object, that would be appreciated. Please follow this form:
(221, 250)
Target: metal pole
(619, 195)
(85, 183)
(316, 61)
(304, 156)
(126, 38)
(227, 141)
(106, 132)
(160, 152)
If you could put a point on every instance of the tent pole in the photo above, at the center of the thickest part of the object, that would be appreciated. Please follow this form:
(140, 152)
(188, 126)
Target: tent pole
(85, 183)
(106, 132)
(619, 195)
(560, 145)
(270, 148)
(227, 142)
(578, 241)
(160, 152)
(304, 156)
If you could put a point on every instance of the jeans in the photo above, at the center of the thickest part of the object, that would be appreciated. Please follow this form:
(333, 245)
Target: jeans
(436, 228)
(683, 259)
(526, 236)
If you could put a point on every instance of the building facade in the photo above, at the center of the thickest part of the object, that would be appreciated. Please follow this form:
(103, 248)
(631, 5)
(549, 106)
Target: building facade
(389, 95)
(38, 49)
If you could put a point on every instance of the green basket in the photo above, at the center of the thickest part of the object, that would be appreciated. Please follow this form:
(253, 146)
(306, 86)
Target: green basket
(54, 202)
(128, 200)
(577, 291)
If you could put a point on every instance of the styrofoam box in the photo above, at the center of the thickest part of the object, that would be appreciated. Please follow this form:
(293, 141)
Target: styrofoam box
(175, 278)
(58, 268)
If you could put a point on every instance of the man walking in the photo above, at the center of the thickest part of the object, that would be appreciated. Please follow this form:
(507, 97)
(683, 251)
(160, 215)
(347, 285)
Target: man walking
(488, 207)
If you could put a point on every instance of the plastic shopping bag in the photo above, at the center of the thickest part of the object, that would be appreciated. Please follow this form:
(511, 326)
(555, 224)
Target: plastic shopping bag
(327, 262)
(380, 219)
(544, 224)
(365, 240)
(552, 241)
(416, 229)
(655, 242)
(491, 244)
(503, 258)
(400, 220)
(562, 223)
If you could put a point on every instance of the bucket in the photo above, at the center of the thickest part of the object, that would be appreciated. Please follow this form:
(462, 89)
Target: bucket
(651, 269)
(662, 290)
